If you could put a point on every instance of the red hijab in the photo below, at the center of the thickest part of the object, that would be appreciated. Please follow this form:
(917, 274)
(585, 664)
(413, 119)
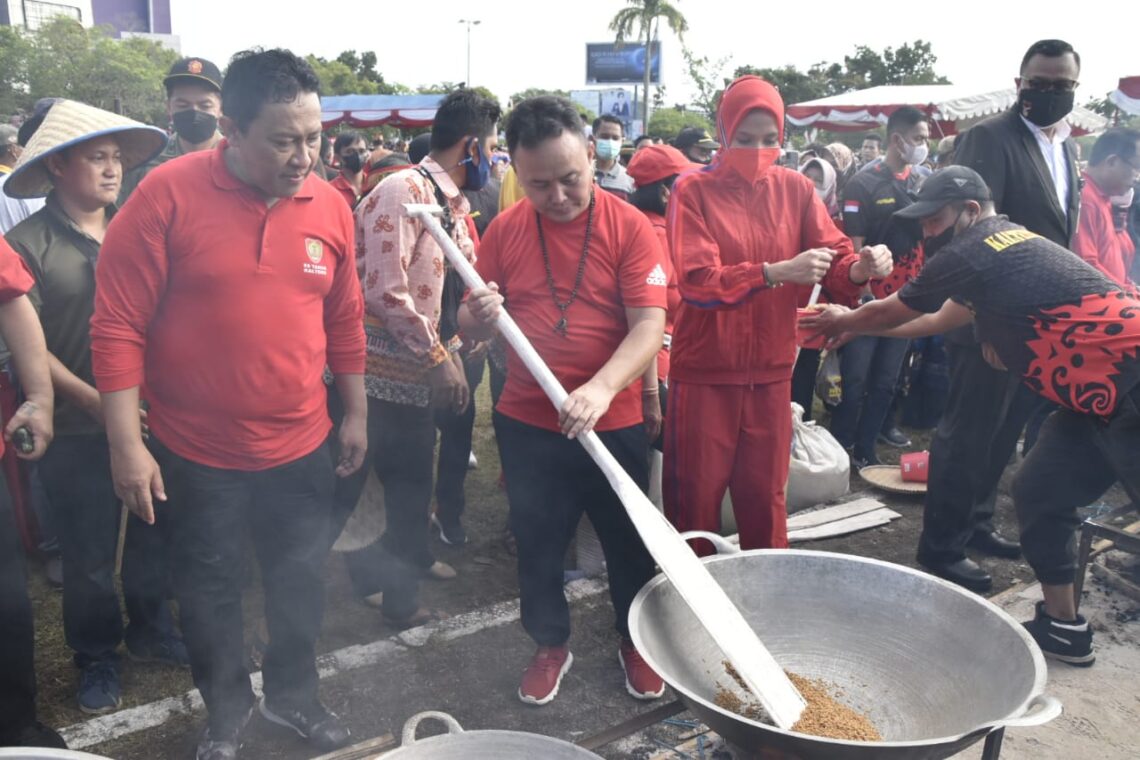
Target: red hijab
(744, 95)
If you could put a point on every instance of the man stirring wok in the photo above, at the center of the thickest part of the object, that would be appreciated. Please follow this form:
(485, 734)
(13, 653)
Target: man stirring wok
(1073, 336)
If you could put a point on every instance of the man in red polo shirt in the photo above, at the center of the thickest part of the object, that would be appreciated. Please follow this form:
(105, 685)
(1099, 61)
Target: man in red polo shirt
(226, 285)
(1114, 167)
(581, 272)
(352, 153)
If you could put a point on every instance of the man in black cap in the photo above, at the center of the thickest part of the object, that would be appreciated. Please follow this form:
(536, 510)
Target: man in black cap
(1027, 160)
(696, 144)
(193, 104)
(1067, 332)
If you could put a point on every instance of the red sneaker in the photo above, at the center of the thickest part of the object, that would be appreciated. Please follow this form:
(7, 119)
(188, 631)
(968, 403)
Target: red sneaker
(641, 681)
(543, 676)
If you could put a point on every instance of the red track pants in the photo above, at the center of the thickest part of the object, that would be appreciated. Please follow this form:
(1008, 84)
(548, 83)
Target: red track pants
(729, 436)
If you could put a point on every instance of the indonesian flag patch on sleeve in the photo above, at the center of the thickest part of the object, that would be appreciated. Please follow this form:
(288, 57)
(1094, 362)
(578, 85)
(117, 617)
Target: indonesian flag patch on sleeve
(850, 207)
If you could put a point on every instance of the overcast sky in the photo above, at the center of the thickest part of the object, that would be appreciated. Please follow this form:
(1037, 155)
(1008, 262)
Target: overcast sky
(538, 43)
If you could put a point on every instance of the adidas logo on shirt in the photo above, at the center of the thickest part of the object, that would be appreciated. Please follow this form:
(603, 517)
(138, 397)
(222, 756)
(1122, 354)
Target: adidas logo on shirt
(657, 277)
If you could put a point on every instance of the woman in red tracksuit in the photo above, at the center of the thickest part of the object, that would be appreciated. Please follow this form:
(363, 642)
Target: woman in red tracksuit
(746, 237)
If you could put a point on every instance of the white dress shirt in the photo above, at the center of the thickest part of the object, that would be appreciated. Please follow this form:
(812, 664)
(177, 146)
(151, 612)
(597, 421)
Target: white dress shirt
(1053, 150)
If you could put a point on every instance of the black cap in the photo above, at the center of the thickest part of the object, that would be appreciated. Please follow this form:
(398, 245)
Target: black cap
(193, 70)
(690, 136)
(419, 147)
(952, 184)
(33, 120)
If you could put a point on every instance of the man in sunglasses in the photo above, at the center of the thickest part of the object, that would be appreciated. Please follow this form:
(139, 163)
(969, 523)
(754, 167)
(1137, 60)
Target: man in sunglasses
(1026, 158)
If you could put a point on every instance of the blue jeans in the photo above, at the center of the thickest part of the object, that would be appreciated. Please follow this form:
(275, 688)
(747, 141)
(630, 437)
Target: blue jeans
(870, 369)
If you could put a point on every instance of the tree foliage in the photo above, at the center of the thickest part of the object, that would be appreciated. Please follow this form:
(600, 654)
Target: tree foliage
(63, 59)
(667, 123)
(705, 74)
(910, 63)
(353, 74)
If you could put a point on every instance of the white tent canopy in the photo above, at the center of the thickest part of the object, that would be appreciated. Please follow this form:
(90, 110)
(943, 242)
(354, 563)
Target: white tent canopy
(951, 108)
(1126, 96)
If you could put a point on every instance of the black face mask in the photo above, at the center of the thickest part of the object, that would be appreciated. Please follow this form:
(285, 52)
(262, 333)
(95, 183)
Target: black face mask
(932, 245)
(195, 127)
(354, 162)
(1045, 107)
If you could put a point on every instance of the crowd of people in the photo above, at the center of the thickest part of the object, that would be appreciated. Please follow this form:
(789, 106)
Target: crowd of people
(229, 329)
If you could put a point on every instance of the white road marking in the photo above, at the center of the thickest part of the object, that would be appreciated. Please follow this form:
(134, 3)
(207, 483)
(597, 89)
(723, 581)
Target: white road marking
(116, 725)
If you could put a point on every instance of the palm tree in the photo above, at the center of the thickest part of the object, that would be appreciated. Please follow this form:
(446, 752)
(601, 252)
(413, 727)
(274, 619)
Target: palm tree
(645, 16)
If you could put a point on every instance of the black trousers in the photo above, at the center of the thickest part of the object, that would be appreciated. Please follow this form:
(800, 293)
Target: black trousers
(985, 413)
(76, 474)
(551, 481)
(1076, 459)
(455, 435)
(17, 636)
(397, 437)
(210, 513)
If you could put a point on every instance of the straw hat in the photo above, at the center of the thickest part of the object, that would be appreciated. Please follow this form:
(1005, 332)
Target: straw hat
(69, 123)
(889, 478)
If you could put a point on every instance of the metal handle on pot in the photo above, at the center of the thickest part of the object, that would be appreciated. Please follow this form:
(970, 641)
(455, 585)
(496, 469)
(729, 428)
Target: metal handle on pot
(409, 737)
(1041, 709)
(720, 543)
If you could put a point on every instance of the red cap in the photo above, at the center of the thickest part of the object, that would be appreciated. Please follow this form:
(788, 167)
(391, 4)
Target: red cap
(654, 163)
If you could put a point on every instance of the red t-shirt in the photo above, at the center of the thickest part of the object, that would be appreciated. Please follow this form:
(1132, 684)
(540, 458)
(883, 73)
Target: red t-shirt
(15, 281)
(346, 190)
(229, 310)
(624, 269)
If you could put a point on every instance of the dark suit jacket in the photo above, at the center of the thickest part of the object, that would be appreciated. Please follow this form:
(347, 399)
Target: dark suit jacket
(1007, 155)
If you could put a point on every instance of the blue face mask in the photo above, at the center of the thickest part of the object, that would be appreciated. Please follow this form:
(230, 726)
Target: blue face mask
(477, 174)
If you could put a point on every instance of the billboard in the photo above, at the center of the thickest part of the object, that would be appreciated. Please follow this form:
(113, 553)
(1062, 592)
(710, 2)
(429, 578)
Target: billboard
(619, 102)
(607, 64)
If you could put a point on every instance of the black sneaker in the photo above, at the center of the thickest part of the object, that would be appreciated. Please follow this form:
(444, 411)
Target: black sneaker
(223, 745)
(894, 437)
(99, 690)
(321, 727)
(1067, 642)
(859, 462)
(169, 650)
(451, 532)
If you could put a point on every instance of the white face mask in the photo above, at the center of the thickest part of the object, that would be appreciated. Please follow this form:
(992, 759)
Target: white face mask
(608, 150)
(1123, 201)
(915, 154)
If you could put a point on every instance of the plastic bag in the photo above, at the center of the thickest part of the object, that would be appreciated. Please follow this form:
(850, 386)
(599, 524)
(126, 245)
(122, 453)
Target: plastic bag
(820, 469)
(829, 381)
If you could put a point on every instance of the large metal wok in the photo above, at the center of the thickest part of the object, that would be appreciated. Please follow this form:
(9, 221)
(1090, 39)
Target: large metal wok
(933, 666)
(481, 745)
